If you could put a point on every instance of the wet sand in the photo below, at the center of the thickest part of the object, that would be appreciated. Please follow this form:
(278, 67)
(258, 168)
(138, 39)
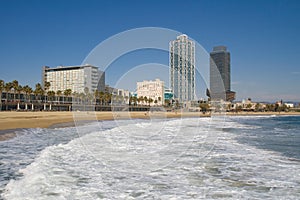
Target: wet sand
(15, 120)
(6, 135)
(10, 121)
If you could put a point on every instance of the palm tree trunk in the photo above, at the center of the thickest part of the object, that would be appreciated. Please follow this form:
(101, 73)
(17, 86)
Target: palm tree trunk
(0, 100)
(6, 96)
(6, 101)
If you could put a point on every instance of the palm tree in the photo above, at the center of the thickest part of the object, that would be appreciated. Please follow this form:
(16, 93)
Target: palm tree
(38, 92)
(249, 106)
(239, 108)
(229, 106)
(150, 100)
(159, 99)
(27, 91)
(15, 85)
(46, 88)
(257, 107)
(107, 98)
(277, 108)
(19, 90)
(130, 100)
(140, 99)
(101, 97)
(67, 92)
(58, 93)
(51, 94)
(135, 99)
(8, 86)
(1, 90)
(204, 107)
(167, 102)
(145, 99)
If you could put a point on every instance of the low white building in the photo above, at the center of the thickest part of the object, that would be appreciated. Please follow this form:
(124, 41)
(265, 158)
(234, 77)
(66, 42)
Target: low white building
(152, 89)
(289, 105)
(121, 95)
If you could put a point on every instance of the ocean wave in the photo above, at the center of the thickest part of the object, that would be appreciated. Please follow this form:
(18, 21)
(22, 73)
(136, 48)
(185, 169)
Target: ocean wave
(185, 159)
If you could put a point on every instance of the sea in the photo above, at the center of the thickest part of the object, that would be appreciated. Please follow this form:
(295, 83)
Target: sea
(222, 157)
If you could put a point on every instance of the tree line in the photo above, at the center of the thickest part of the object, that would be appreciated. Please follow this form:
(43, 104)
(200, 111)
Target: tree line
(15, 92)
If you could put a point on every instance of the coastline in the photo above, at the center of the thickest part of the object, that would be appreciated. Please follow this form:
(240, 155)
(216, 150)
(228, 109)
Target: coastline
(17, 120)
(12, 121)
(263, 113)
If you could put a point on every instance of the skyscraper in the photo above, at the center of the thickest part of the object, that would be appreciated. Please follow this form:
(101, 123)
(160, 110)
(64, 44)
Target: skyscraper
(182, 68)
(220, 74)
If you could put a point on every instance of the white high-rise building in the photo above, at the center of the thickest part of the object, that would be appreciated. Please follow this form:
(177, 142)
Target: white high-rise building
(76, 78)
(182, 68)
(152, 89)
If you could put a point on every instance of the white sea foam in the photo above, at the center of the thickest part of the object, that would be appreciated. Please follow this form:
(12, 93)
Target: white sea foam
(187, 159)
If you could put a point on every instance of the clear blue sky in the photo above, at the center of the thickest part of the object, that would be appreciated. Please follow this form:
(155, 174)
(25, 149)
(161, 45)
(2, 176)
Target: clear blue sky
(262, 36)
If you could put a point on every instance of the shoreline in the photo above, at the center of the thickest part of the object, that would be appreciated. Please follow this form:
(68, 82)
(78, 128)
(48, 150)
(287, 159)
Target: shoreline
(263, 114)
(10, 122)
(17, 120)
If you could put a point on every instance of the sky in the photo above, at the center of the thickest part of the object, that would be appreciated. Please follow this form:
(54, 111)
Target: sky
(261, 35)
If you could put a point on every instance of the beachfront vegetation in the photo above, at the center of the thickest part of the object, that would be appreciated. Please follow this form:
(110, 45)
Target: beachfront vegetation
(204, 106)
(14, 96)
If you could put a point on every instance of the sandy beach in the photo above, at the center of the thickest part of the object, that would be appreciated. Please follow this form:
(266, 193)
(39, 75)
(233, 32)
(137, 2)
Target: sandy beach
(15, 120)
